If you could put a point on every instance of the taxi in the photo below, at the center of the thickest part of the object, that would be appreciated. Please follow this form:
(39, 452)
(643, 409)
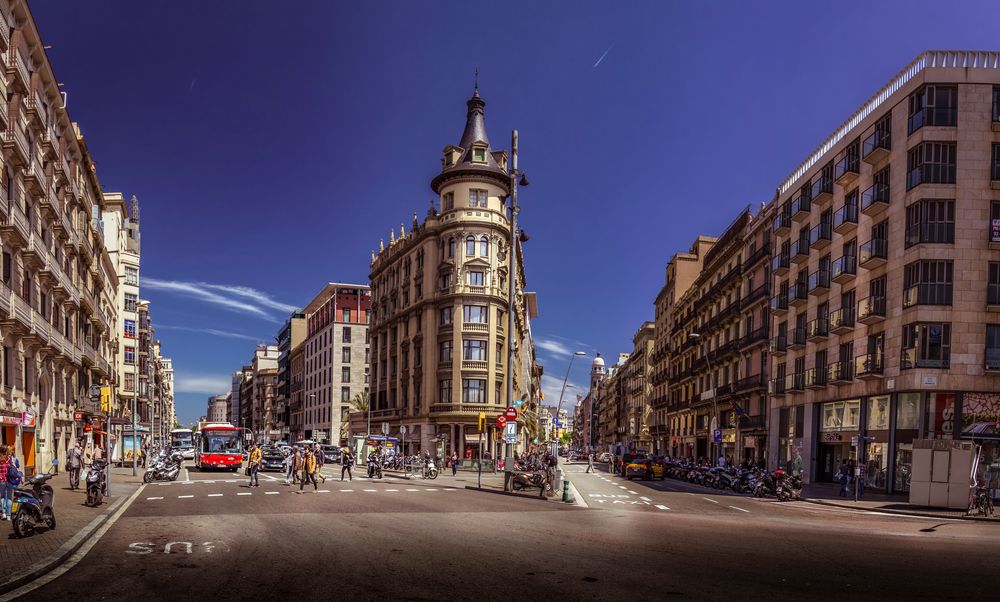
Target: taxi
(645, 468)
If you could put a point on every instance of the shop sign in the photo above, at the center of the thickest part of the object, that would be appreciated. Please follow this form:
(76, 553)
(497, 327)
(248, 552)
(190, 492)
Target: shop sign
(748, 441)
(10, 420)
(995, 230)
(832, 437)
(28, 419)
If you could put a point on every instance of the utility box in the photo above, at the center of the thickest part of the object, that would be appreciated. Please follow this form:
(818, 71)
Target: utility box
(941, 473)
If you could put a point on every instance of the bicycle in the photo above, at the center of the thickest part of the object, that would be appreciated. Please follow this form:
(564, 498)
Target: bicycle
(982, 502)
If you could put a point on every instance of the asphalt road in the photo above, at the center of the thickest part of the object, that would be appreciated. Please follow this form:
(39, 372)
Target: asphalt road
(415, 540)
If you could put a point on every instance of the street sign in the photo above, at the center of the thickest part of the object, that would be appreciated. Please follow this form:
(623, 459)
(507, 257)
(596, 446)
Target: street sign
(717, 435)
(854, 440)
(510, 414)
(510, 432)
(501, 421)
(385, 428)
(402, 430)
(518, 403)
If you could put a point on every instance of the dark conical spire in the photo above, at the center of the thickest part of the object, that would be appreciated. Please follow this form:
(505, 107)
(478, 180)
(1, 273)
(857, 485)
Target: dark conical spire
(475, 121)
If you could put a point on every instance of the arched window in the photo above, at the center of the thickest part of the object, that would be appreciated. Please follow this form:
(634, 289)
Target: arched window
(451, 247)
(484, 246)
(470, 245)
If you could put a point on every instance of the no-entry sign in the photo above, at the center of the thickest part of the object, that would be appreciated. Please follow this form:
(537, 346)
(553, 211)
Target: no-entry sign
(510, 414)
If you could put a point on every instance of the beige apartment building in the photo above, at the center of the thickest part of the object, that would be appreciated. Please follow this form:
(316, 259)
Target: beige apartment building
(58, 293)
(440, 301)
(887, 275)
(335, 359)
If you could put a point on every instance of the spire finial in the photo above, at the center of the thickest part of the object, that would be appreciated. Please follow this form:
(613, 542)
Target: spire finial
(476, 88)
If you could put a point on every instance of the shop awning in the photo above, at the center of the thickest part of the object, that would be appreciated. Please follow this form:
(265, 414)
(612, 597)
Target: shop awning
(983, 432)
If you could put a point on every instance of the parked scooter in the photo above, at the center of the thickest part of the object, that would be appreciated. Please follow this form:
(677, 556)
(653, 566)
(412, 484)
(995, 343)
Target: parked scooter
(97, 483)
(430, 471)
(33, 507)
(164, 469)
(374, 466)
(536, 478)
(787, 487)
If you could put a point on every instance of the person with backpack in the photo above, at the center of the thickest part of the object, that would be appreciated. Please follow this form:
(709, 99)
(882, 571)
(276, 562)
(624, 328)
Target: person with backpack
(4, 486)
(320, 461)
(346, 461)
(75, 462)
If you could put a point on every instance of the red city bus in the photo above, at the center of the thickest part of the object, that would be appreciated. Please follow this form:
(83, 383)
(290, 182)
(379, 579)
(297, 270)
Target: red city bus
(219, 445)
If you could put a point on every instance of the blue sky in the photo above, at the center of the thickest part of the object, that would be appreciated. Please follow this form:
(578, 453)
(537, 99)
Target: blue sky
(272, 145)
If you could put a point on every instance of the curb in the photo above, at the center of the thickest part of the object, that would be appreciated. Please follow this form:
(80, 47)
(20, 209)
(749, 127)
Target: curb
(575, 495)
(509, 494)
(67, 549)
(903, 513)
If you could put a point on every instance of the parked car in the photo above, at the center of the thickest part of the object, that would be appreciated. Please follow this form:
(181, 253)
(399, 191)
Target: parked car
(331, 453)
(272, 459)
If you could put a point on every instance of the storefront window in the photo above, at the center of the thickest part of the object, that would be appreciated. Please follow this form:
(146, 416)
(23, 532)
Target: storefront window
(878, 413)
(833, 416)
(877, 466)
(941, 416)
(852, 414)
(907, 419)
(907, 411)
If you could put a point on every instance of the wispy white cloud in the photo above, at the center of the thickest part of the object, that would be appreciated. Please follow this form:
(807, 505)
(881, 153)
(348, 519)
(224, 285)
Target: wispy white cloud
(605, 54)
(210, 331)
(239, 299)
(552, 385)
(209, 384)
(553, 346)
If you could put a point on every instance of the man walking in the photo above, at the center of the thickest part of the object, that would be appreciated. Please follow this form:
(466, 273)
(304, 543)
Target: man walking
(320, 461)
(308, 470)
(346, 461)
(590, 463)
(75, 462)
(253, 465)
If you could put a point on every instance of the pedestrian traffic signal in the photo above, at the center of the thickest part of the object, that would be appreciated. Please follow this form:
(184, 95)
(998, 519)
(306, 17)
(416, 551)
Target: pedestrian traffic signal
(482, 421)
(106, 399)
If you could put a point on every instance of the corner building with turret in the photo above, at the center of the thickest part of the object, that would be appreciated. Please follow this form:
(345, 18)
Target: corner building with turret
(439, 324)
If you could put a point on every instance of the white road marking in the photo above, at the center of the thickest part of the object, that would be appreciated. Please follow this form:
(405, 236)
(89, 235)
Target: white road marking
(154, 498)
(215, 495)
(392, 490)
(711, 500)
(271, 492)
(324, 491)
(184, 496)
(266, 476)
(244, 493)
(740, 509)
(633, 492)
(622, 487)
(430, 490)
(413, 490)
(662, 507)
(187, 475)
(645, 499)
(206, 481)
(370, 490)
(345, 490)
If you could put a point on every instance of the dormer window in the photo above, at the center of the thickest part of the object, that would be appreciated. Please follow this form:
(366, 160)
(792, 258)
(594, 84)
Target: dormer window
(479, 155)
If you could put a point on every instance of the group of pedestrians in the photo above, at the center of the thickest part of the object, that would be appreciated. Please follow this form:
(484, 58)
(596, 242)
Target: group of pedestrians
(302, 465)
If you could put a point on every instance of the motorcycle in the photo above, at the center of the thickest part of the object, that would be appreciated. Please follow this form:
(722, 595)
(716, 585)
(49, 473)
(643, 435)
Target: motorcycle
(537, 478)
(764, 486)
(430, 471)
(374, 466)
(787, 487)
(97, 483)
(164, 469)
(33, 507)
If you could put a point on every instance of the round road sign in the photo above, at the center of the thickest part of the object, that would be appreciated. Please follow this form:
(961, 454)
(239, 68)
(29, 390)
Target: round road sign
(510, 414)
(501, 421)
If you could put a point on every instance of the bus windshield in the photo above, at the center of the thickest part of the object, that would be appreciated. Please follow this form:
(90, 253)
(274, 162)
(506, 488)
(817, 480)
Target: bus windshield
(220, 442)
(181, 439)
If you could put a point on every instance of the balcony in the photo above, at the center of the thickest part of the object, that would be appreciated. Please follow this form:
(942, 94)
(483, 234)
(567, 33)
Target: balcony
(780, 263)
(842, 320)
(17, 71)
(50, 144)
(478, 365)
(844, 269)
(876, 146)
(801, 206)
(927, 293)
(871, 310)
(779, 345)
(819, 282)
(779, 304)
(782, 222)
(756, 336)
(845, 219)
(875, 199)
(939, 116)
(475, 327)
(911, 359)
(750, 383)
(868, 366)
(799, 251)
(797, 381)
(816, 377)
(34, 177)
(756, 294)
(820, 236)
(778, 386)
(4, 118)
(838, 373)
(17, 224)
(818, 329)
(798, 294)
(873, 253)
(992, 359)
(821, 189)
(845, 170)
(756, 256)
(796, 338)
(471, 409)
(16, 145)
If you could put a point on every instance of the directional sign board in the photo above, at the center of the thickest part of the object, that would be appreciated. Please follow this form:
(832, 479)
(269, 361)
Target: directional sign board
(510, 414)
(510, 432)
(501, 421)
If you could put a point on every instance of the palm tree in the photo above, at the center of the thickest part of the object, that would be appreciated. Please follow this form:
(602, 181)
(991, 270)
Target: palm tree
(360, 402)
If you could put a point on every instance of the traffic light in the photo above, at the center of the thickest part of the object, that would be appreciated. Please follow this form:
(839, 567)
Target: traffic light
(482, 421)
(106, 399)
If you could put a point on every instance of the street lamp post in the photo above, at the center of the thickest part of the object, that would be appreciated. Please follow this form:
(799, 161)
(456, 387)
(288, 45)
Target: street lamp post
(555, 444)
(694, 336)
(516, 177)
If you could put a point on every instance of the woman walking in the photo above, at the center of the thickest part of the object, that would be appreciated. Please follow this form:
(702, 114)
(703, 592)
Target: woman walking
(308, 470)
(6, 490)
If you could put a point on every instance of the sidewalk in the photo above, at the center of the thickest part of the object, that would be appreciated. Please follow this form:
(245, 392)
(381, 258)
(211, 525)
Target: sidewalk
(829, 495)
(25, 559)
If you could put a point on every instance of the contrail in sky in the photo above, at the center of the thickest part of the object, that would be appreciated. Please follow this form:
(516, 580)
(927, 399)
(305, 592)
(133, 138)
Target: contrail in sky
(604, 55)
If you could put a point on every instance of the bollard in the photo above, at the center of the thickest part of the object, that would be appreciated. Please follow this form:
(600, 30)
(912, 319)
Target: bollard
(566, 490)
